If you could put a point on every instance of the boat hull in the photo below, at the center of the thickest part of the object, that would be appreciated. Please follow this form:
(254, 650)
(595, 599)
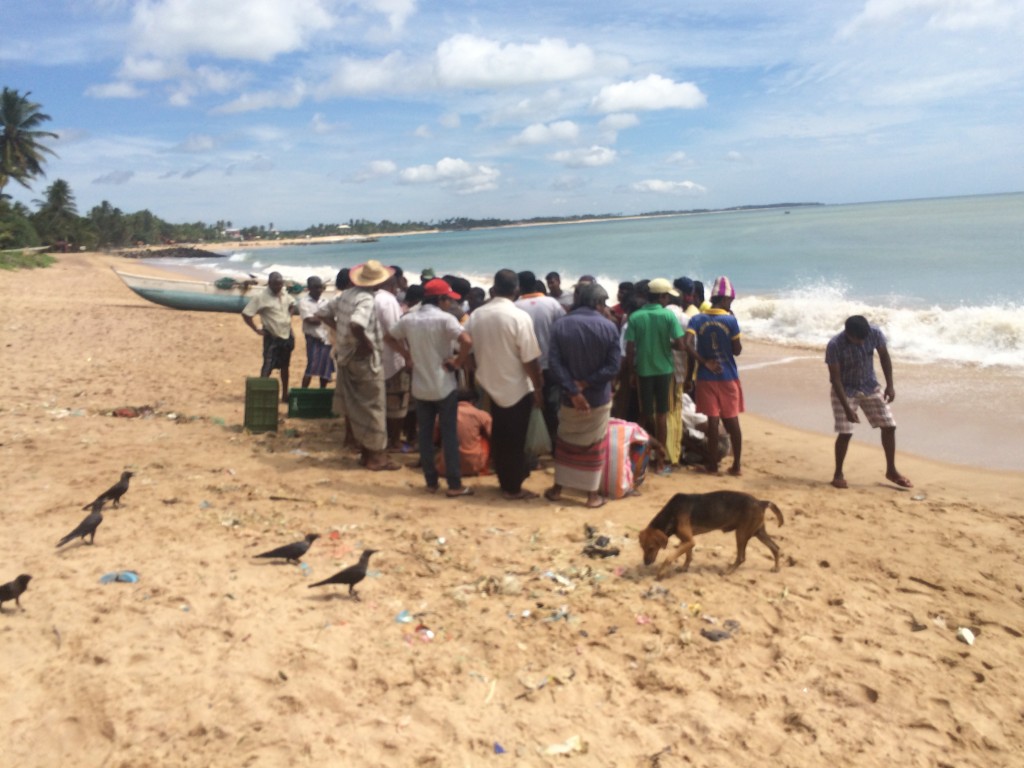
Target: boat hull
(190, 295)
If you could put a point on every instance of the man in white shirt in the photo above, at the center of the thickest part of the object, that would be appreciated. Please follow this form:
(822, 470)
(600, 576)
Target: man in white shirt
(318, 344)
(427, 338)
(508, 368)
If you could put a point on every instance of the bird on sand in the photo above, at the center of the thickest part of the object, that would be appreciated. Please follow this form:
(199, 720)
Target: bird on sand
(114, 492)
(88, 526)
(12, 590)
(292, 552)
(351, 575)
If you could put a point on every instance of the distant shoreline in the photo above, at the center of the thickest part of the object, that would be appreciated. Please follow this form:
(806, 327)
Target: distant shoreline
(156, 251)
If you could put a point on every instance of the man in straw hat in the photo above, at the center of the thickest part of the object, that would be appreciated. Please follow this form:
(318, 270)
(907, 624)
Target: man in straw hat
(713, 341)
(358, 349)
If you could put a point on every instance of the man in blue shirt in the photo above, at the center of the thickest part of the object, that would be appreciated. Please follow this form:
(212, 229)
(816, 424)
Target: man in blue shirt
(713, 341)
(851, 368)
(583, 358)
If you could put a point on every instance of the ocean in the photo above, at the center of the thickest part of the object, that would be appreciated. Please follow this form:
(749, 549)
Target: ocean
(943, 277)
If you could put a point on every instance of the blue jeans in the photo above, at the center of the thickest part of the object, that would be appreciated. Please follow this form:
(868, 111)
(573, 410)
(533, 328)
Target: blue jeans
(446, 411)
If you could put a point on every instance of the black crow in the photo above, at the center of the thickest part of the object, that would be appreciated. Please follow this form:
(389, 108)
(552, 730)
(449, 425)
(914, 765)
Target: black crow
(88, 526)
(292, 552)
(351, 575)
(12, 590)
(114, 492)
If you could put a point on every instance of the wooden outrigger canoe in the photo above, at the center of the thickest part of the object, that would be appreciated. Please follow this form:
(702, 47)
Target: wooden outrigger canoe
(222, 295)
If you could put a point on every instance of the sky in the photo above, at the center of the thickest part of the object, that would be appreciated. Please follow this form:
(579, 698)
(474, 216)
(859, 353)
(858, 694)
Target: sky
(298, 112)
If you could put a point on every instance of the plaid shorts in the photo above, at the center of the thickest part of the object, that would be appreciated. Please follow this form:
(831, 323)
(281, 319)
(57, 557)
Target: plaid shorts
(874, 406)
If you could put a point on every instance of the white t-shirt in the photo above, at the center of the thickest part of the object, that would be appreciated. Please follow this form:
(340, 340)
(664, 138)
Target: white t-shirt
(431, 334)
(503, 341)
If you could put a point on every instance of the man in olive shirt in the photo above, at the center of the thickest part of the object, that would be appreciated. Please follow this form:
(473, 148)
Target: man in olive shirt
(275, 308)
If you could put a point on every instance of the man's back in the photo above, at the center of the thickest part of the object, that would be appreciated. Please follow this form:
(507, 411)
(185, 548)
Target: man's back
(652, 329)
(503, 340)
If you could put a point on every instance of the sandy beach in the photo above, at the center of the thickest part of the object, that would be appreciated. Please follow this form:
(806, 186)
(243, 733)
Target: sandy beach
(519, 650)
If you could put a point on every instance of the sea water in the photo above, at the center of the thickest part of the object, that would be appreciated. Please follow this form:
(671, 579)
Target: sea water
(943, 277)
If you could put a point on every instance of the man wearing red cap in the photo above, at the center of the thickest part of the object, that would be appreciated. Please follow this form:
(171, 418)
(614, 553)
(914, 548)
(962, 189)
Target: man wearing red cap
(427, 338)
(713, 341)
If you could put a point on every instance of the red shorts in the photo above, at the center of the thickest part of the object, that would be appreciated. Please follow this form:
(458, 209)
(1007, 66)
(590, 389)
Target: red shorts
(722, 399)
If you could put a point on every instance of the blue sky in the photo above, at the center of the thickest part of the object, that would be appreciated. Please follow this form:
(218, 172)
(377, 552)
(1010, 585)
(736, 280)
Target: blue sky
(296, 112)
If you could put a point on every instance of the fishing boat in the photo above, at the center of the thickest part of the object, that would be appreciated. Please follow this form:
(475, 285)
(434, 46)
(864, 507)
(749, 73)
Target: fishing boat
(222, 295)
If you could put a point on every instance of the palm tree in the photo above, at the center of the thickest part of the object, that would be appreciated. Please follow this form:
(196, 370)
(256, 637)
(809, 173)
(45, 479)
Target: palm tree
(21, 150)
(57, 217)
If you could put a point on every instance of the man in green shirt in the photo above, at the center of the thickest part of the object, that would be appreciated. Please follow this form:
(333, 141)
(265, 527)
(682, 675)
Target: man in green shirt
(653, 332)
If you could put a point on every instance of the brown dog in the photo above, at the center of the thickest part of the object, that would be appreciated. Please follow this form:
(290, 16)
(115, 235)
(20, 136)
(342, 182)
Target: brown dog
(689, 514)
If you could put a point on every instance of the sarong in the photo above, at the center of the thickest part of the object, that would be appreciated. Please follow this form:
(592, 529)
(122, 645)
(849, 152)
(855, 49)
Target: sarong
(581, 447)
(397, 389)
(674, 423)
(319, 361)
(361, 388)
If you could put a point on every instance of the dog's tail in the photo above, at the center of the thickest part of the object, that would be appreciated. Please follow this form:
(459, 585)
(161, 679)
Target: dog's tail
(778, 512)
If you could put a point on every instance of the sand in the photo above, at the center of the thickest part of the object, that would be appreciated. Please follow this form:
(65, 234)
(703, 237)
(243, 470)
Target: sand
(518, 642)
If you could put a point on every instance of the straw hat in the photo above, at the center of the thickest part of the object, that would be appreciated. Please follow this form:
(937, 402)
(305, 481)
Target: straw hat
(370, 274)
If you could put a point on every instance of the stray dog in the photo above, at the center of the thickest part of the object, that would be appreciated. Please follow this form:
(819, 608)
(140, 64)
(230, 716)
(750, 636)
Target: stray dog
(689, 514)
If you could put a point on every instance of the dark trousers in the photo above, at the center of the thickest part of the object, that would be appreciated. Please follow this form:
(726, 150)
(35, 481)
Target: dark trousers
(552, 403)
(446, 412)
(508, 443)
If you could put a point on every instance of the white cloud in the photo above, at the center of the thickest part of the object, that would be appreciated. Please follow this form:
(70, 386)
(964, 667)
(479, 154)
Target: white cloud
(948, 15)
(678, 158)
(735, 157)
(396, 11)
(591, 157)
(653, 92)
(375, 170)
(539, 133)
(256, 30)
(468, 61)
(453, 173)
(391, 73)
(149, 68)
(280, 99)
(612, 124)
(320, 124)
(114, 91)
(663, 187)
(423, 132)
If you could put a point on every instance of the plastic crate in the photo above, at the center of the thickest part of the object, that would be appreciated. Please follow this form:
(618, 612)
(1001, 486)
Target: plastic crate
(261, 398)
(310, 403)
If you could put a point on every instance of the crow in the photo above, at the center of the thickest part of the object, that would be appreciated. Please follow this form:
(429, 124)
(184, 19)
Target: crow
(351, 575)
(88, 526)
(293, 552)
(12, 590)
(114, 492)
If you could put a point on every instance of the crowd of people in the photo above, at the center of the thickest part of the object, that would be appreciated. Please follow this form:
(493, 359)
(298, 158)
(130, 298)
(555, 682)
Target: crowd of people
(483, 375)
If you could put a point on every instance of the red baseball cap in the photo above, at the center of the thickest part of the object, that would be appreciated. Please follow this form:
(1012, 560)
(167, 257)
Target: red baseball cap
(439, 287)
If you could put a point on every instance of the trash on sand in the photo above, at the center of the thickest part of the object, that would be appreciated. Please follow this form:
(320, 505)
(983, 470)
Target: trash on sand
(560, 579)
(404, 617)
(424, 633)
(643, 618)
(595, 550)
(714, 635)
(573, 744)
(964, 635)
(498, 749)
(131, 577)
(561, 613)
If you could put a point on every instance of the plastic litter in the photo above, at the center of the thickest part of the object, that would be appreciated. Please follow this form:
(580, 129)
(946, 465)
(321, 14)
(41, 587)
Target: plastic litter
(498, 749)
(714, 635)
(129, 577)
(964, 635)
(404, 617)
(573, 744)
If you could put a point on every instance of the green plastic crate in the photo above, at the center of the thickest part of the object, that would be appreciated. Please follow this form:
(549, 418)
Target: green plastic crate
(310, 403)
(261, 398)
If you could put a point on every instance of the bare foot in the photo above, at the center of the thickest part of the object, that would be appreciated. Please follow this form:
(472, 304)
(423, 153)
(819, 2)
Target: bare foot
(553, 494)
(839, 482)
(735, 472)
(595, 501)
